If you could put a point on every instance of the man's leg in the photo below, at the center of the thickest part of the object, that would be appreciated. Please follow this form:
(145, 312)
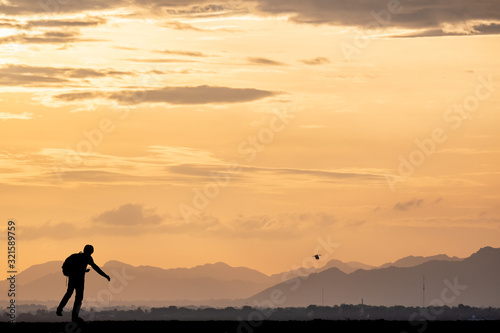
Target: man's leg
(79, 285)
(66, 297)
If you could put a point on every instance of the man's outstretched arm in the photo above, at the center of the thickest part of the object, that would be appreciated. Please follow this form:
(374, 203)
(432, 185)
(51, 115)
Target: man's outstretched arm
(99, 270)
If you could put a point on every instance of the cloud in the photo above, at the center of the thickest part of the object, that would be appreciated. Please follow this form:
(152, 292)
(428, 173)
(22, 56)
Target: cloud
(180, 155)
(55, 166)
(130, 220)
(265, 61)
(180, 26)
(30, 7)
(403, 206)
(185, 174)
(316, 61)
(329, 174)
(175, 95)
(469, 30)
(48, 31)
(202, 10)
(47, 37)
(149, 224)
(68, 174)
(129, 215)
(206, 170)
(431, 16)
(186, 26)
(10, 23)
(183, 53)
(196, 8)
(160, 165)
(19, 75)
(190, 8)
(88, 22)
(12, 79)
(463, 221)
(402, 14)
(428, 33)
(23, 116)
(161, 60)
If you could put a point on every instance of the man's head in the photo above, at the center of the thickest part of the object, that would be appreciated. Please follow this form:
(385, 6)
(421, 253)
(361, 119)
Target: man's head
(88, 249)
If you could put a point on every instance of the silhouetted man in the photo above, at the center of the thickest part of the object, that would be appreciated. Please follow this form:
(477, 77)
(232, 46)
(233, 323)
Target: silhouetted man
(76, 280)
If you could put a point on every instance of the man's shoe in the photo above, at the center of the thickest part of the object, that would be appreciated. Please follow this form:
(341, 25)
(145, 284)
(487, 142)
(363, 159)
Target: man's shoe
(59, 312)
(77, 320)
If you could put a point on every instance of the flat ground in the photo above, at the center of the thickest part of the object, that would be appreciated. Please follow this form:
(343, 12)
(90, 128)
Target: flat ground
(257, 327)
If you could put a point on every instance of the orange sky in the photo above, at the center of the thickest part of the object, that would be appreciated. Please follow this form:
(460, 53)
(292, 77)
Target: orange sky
(256, 133)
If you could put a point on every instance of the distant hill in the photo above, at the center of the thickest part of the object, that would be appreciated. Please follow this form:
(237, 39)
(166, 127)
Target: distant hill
(143, 283)
(347, 267)
(218, 271)
(38, 271)
(219, 284)
(473, 281)
(414, 261)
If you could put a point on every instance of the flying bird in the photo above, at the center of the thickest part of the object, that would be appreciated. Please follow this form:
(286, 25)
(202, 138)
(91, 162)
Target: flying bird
(317, 256)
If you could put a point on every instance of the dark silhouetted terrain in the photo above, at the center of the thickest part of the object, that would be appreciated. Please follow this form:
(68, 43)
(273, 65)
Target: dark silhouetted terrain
(258, 327)
(334, 283)
(473, 281)
(247, 313)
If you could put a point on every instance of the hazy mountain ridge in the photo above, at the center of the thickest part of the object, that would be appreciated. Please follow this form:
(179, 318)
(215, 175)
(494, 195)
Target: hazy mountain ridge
(410, 261)
(35, 272)
(149, 283)
(472, 281)
(222, 284)
(346, 267)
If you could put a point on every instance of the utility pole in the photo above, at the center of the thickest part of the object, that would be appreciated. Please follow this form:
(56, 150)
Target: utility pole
(423, 290)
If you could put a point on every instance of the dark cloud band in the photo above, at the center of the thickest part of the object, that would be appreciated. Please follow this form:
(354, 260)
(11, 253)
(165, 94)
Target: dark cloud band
(427, 15)
(416, 14)
(175, 95)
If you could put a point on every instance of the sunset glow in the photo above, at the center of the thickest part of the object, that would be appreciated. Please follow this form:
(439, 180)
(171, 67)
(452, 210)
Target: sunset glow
(249, 132)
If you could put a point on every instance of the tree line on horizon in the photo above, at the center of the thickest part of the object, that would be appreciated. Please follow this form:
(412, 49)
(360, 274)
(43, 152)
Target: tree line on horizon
(34, 313)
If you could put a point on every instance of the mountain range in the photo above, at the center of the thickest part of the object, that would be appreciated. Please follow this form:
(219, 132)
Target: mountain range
(473, 281)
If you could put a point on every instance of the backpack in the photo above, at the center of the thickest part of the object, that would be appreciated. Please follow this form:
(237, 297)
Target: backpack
(69, 265)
